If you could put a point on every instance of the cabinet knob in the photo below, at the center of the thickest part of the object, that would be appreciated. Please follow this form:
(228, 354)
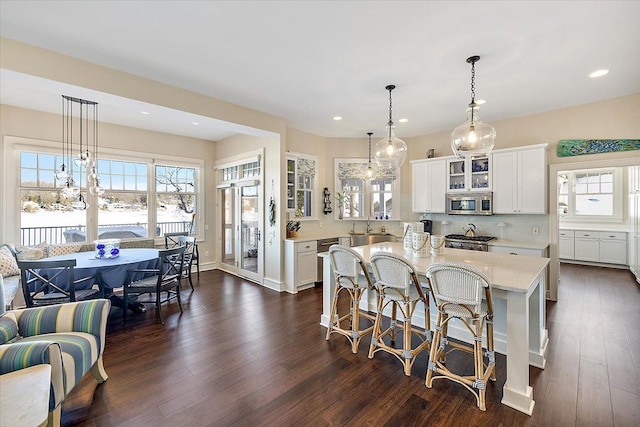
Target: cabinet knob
(513, 253)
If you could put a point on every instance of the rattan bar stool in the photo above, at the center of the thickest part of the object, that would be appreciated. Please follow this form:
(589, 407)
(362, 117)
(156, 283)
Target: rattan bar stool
(351, 276)
(458, 290)
(397, 285)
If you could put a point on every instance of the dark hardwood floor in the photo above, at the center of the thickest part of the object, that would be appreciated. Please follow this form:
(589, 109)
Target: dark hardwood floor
(243, 355)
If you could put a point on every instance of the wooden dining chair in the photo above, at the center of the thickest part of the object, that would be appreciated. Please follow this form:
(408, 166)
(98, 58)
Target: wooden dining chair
(190, 246)
(352, 278)
(171, 240)
(398, 287)
(458, 290)
(53, 282)
(164, 278)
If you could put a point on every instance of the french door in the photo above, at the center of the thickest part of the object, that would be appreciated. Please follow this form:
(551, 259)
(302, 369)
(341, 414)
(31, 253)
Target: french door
(242, 247)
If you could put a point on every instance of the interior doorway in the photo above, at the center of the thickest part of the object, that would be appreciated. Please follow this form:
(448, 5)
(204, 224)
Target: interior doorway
(554, 223)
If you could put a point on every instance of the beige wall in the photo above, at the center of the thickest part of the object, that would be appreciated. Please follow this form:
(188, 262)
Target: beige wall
(617, 118)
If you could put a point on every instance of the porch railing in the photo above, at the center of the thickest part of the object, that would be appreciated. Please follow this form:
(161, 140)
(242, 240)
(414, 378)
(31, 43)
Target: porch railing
(30, 236)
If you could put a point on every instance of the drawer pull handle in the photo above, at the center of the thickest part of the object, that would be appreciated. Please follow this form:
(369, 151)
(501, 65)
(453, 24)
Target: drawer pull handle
(513, 253)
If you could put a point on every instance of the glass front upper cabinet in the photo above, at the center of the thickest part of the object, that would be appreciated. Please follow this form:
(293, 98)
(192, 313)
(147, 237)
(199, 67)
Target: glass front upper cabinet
(301, 177)
(470, 174)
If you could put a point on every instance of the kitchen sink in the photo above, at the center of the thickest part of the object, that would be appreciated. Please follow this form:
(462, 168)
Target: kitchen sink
(360, 239)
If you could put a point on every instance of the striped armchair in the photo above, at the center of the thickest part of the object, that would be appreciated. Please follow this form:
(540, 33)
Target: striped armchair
(70, 337)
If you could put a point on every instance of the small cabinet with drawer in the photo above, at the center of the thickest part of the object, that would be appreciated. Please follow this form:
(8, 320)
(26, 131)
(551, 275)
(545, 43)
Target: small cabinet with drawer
(300, 264)
(566, 247)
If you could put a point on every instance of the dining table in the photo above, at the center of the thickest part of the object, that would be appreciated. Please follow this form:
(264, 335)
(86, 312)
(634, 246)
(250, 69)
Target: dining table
(110, 273)
(518, 285)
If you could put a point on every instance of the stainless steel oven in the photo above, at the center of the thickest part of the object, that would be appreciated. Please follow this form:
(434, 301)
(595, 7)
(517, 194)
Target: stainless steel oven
(460, 241)
(470, 203)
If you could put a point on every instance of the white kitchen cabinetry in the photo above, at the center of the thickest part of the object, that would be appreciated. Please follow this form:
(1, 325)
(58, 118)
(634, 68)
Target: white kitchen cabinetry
(587, 246)
(609, 247)
(520, 180)
(428, 185)
(566, 247)
(634, 220)
(301, 260)
(469, 174)
(613, 247)
(301, 184)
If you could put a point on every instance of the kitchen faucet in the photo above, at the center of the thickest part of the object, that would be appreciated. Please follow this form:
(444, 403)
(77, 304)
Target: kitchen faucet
(353, 228)
(369, 229)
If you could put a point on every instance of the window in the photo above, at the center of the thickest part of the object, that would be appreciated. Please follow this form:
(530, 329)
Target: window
(361, 197)
(176, 194)
(590, 194)
(129, 207)
(45, 213)
(123, 209)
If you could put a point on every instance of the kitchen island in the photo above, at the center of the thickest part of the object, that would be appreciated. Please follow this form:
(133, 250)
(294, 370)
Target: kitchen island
(518, 288)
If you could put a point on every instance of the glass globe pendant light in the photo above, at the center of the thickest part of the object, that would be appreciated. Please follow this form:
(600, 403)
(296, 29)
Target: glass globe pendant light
(473, 137)
(390, 151)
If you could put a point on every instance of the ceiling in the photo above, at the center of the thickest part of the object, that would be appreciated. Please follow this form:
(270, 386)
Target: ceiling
(307, 61)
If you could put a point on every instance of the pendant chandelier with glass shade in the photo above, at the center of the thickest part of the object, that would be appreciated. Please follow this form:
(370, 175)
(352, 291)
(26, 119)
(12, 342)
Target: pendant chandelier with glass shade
(79, 128)
(473, 137)
(390, 151)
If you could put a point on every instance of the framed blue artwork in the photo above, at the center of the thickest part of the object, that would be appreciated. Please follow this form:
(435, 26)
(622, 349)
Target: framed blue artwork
(580, 147)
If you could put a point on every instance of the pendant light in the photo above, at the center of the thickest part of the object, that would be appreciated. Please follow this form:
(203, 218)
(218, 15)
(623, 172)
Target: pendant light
(473, 137)
(81, 132)
(390, 151)
(369, 172)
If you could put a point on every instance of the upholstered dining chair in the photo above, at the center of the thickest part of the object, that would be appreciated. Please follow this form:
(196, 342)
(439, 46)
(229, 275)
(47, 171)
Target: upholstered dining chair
(458, 290)
(53, 282)
(352, 278)
(397, 286)
(165, 278)
(171, 240)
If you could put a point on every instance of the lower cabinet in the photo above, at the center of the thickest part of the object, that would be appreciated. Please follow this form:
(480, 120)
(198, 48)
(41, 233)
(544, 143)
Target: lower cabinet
(608, 247)
(566, 244)
(301, 261)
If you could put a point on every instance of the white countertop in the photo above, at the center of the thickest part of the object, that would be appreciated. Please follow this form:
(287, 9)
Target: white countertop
(507, 272)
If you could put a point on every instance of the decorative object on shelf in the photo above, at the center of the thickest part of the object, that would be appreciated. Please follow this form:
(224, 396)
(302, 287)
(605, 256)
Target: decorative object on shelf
(390, 151)
(327, 201)
(84, 130)
(431, 153)
(502, 226)
(370, 173)
(580, 147)
(473, 137)
(292, 229)
(107, 248)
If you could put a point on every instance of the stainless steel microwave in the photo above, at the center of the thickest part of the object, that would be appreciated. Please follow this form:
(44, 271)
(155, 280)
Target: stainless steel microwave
(470, 203)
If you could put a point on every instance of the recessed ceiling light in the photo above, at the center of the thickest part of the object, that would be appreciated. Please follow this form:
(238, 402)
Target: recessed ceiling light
(337, 118)
(195, 123)
(144, 112)
(403, 120)
(480, 101)
(598, 73)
